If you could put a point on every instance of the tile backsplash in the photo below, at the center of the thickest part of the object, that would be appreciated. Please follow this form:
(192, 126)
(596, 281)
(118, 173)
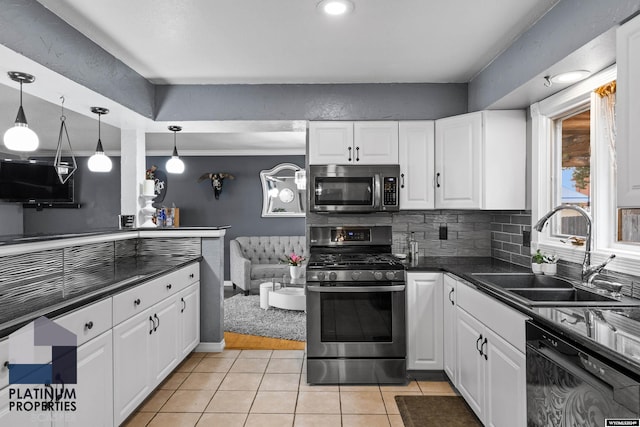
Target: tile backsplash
(507, 243)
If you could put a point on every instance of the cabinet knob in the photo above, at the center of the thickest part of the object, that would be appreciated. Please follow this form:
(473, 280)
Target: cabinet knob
(191, 276)
(88, 325)
(478, 345)
(169, 286)
(349, 154)
(450, 296)
(6, 364)
(357, 154)
(402, 182)
(136, 302)
(438, 180)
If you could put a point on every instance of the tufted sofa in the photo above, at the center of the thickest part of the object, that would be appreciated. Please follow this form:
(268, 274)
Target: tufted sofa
(257, 259)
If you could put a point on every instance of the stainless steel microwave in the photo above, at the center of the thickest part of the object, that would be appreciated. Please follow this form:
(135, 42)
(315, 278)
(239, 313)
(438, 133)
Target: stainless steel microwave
(355, 189)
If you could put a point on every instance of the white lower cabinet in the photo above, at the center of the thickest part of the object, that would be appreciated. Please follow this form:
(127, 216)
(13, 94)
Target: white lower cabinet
(189, 319)
(449, 321)
(424, 321)
(94, 391)
(132, 367)
(490, 371)
(148, 346)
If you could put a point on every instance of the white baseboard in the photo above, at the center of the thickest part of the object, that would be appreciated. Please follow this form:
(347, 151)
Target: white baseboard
(228, 283)
(210, 347)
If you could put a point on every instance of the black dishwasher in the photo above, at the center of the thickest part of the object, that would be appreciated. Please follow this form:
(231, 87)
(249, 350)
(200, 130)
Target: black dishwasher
(567, 385)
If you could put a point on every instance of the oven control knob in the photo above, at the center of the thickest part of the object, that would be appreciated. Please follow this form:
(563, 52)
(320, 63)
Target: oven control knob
(333, 275)
(390, 275)
(377, 275)
(321, 275)
(356, 275)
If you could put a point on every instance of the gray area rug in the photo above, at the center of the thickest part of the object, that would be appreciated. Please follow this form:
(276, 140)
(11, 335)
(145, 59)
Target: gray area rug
(243, 315)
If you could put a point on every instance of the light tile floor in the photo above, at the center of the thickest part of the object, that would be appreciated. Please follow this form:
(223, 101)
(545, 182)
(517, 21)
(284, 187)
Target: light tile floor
(268, 388)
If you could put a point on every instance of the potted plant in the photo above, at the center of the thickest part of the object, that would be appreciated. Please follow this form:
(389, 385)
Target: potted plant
(295, 264)
(536, 262)
(550, 265)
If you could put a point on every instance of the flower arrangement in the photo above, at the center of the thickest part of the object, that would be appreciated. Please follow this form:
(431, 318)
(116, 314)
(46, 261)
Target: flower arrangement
(537, 258)
(293, 259)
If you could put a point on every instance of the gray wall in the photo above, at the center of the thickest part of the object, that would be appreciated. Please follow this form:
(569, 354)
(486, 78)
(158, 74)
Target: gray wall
(10, 219)
(240, 204)
(99, 195)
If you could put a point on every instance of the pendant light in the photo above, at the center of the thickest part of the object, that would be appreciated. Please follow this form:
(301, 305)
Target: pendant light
(64, 169)
(20, 137)
(175, 164)
(99, 162)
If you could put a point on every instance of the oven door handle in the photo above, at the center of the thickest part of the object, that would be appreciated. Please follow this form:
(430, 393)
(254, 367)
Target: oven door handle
(361, 289)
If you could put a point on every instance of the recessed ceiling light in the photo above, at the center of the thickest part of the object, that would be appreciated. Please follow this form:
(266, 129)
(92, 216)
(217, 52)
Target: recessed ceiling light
(336, 7)
(568, 77)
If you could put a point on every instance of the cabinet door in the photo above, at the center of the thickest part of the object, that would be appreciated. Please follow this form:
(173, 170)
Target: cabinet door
(165, 343)
(449, 329)
(506, 400)
(331, 143)
(375, 143)
(416, 149)
(132, 363)
(424, 321)
(470, 365)
(94, 391)
(458, 162)
(189, 319)
(627, 107)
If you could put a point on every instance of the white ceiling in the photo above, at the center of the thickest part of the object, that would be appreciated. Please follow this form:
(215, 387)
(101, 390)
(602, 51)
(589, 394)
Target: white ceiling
(272, 41)
(290, 41)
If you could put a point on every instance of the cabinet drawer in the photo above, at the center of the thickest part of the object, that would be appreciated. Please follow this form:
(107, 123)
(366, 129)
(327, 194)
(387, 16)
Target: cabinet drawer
(503, 320)
(136, 300)
(88, 322)
(178, 280)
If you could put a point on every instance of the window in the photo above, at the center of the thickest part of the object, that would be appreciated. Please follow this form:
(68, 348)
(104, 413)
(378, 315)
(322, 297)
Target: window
(572, 171)
(573, 161)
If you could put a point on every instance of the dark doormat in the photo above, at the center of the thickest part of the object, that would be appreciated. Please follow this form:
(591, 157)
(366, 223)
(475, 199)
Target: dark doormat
(436, 411)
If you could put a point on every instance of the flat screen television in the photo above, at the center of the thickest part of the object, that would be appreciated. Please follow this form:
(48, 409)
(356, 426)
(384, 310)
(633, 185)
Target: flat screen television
(29, 181)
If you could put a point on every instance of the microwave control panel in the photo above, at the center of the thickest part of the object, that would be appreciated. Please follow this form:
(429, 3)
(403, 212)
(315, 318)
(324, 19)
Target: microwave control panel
(390, 191)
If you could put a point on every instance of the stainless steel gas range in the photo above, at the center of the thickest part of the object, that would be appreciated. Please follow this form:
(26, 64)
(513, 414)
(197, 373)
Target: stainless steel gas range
(355, 307)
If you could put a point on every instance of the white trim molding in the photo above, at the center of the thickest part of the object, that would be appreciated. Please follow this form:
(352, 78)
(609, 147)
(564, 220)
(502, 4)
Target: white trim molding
(210, 347)
(543, 114)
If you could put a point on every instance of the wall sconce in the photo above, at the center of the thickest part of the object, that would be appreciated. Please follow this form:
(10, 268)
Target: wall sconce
(175, 164)
(20, 137)
(99, 162)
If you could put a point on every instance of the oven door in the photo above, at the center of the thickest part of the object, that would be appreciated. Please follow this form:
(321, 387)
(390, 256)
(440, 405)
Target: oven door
(366, 320)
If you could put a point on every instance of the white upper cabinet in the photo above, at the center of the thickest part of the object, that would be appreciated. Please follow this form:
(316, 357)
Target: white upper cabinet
(416, 148)
(627, 107)
(358, 143)
(480, 160)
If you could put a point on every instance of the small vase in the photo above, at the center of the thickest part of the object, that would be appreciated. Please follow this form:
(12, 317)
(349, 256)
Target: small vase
(536, 268)
(549, 269)
(295, 271)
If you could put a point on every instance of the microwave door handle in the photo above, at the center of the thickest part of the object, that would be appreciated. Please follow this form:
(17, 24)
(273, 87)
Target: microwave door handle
(377, 185)
(355, 289)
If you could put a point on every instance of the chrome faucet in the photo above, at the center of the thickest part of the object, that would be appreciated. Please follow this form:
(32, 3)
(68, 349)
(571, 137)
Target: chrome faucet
(588, 271)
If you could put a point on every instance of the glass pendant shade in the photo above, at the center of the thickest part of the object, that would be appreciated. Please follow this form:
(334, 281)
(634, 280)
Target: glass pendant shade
(20, 137)
(99, 162)
(175, 164)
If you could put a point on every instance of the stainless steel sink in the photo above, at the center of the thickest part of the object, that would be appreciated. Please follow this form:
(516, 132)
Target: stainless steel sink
(523, 280)
(561, 295)
(536, 290)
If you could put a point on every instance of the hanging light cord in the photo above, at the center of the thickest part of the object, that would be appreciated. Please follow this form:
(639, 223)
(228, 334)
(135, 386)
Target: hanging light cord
(62, 116)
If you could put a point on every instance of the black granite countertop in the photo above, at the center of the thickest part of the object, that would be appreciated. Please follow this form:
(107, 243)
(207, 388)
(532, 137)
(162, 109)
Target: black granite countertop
(612, 333)
(100, 283)
(43, 237)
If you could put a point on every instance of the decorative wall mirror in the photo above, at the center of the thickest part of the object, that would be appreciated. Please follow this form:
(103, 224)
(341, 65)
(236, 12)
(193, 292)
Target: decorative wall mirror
(283, 191)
